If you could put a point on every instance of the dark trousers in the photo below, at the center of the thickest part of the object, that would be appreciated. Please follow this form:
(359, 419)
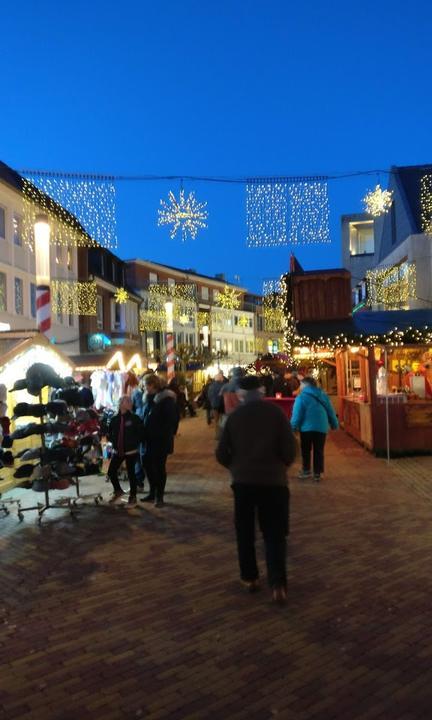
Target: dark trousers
(155, 467)
(314, 441)
(271, 503)
(113, 469)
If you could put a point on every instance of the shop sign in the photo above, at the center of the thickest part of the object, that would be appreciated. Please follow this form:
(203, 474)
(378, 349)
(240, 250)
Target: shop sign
(97, 342)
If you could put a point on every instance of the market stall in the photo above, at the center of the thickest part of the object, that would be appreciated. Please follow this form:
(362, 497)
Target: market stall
(385, 396)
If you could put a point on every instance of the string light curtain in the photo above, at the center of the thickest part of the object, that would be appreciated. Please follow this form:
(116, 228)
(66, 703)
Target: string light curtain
(392, 286)
(287, 213)
(90, 201)
(73, 298)
(426, 203)
(266, 213)
(309, 213)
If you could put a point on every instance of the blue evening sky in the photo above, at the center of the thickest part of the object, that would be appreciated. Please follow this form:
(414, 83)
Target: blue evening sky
(231, 88)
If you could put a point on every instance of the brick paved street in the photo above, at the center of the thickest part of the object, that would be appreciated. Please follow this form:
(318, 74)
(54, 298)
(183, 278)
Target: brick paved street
(117, 617)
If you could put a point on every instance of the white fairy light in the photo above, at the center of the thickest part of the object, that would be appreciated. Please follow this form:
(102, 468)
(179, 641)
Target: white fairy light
(378, 201)
(309, 213)
(185, 214)
(266, 214)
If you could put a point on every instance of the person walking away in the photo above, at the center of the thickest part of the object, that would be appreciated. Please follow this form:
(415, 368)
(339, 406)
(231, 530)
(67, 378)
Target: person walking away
(125, 433)
(203, 400)
(229, 390)
(215, 397)
(160, 426)
(257, 446)
(188, 402)
(312, 415)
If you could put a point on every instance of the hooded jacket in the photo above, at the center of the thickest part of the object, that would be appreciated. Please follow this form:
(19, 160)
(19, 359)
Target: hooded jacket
(313, 411)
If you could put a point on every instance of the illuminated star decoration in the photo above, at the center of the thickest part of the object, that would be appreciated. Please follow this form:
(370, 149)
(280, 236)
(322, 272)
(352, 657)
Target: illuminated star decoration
(185, 214)
(184, 319)
(378, 201)
(243, 321)
(229, 299)
(121, 296)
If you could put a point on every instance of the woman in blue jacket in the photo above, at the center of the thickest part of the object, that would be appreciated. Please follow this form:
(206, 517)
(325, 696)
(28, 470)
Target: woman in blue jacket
(312, 415)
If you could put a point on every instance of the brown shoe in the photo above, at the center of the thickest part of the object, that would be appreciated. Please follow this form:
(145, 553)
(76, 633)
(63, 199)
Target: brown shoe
(279, 595)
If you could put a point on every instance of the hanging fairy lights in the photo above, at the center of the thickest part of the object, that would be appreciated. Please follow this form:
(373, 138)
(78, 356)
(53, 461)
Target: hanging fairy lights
(73, 298)
(266, 214)
(392, 286)
(65, 228)
(203, 319)
(185, 214)
(309, 213)
(91, 202)
(426, 203)
(271, 286)
(229, 298)
(152, 321)
(378, 201)
(281, 213)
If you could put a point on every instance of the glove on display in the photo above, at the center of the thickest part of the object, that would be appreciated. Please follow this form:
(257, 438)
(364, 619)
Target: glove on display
(31, 454)
(24, 471)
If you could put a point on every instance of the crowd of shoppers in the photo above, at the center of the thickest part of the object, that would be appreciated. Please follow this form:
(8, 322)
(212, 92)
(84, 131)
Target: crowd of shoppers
(255, 441)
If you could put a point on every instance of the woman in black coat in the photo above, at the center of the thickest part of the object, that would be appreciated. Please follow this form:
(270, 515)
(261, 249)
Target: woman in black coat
(161, 419)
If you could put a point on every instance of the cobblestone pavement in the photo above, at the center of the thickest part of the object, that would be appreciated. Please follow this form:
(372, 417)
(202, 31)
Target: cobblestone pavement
(116, 617)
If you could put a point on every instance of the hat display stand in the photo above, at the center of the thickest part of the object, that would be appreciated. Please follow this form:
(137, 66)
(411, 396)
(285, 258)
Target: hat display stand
(65, 442)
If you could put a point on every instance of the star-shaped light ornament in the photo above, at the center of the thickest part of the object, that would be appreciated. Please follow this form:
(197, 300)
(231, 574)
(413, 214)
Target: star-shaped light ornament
(184, 319)
(229, 298)
(243, 321)
(121, 296)
(185, 214)
(378, 201)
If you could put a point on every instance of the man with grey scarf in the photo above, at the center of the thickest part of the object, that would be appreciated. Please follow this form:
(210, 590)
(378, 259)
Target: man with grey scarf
(257, 446)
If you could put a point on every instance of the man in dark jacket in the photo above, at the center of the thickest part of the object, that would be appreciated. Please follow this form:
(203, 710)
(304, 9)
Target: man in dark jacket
(125, 433)
(257, 445)
(160, 426)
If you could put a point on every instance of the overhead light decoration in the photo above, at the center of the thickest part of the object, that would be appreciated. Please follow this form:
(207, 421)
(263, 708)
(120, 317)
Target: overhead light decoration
(121, 296)
(86, 208)
(229, 298)
(73, 298)
(271, 286)
(243, 321)
(426, 203)
(309, 213)
(378, 201)
(185, 214)
(392, 286)
(266, 213)
(280, 212)
(272, 310)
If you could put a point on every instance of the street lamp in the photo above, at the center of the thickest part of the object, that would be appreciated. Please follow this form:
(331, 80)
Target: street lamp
(42, 257)
(169, 308)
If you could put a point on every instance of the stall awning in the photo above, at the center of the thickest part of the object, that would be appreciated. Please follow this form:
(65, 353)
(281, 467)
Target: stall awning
(367, 323)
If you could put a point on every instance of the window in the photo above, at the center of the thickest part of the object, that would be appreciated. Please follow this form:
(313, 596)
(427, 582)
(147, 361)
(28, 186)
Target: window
(361, 235)
(205, 293)
(236, 319)
(215, 295)
(236, 345)
(171, 282)
(33, 300)
(69, 259)
(153, 278)
(59, 255)
(17, 229)
(3, 293)
(19, 300)
(2, 223)
(117, 316)
(241, 346)
(99, 312)
(260, 323)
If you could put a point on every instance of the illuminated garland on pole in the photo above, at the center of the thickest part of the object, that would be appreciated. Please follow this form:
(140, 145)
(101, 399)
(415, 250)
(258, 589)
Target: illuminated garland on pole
(73, 298)
(91, 202)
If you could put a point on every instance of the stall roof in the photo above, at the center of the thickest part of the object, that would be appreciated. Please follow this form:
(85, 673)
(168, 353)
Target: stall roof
(367, 323)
